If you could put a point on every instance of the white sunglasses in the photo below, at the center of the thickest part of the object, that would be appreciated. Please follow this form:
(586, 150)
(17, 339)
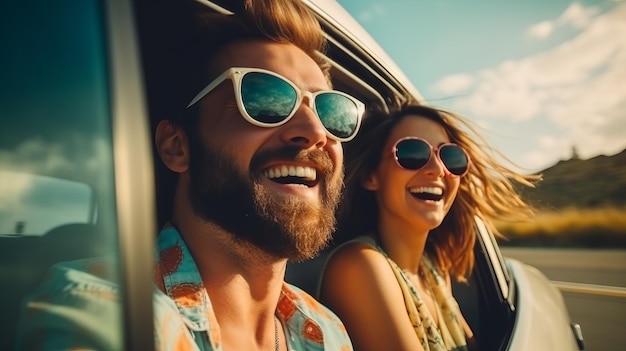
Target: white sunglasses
(267, 99)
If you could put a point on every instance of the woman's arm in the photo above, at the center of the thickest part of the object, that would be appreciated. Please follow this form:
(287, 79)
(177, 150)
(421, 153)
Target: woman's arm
(360, 287)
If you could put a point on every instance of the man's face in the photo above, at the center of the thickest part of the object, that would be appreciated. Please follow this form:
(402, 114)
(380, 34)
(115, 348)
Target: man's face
(241, 175)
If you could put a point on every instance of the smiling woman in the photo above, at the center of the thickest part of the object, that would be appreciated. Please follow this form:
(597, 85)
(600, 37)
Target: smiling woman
(407, 228)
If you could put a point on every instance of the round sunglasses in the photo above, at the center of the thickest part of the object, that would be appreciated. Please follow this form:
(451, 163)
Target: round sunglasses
(413, 153)
(267, 99)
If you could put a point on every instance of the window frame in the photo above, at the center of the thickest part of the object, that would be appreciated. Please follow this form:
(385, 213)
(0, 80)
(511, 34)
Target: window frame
(496, 292)
(134, 175)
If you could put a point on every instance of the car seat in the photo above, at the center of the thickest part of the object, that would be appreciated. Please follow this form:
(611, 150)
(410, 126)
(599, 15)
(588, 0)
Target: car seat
(24, 261)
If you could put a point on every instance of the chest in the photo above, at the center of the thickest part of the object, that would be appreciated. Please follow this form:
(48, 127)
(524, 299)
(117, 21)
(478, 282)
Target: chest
(427, 296)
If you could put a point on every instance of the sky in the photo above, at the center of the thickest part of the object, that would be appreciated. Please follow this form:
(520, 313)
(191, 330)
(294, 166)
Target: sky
(542, 78)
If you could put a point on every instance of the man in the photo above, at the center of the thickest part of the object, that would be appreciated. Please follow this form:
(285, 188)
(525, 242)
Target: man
(254, 139)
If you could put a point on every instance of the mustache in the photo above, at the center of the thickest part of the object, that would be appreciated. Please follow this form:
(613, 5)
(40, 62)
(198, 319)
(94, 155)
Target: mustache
(321, 160)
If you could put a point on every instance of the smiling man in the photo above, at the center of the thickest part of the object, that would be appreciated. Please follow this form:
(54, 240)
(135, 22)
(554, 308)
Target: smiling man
(251, 132)
(259, 164)
(272, 187)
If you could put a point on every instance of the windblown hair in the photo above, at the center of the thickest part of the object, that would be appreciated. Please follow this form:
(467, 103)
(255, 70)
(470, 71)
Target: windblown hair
(181, 49)
(486, 191)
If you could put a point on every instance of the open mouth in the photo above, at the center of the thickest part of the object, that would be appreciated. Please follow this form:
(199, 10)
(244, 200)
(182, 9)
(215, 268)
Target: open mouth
(289, 174)
(427, 193)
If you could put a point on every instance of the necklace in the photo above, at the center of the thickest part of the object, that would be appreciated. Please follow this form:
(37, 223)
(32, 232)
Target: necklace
(276, 334)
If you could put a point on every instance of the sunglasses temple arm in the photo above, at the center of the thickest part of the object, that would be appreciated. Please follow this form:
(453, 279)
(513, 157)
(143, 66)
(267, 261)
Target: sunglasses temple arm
(209, 88)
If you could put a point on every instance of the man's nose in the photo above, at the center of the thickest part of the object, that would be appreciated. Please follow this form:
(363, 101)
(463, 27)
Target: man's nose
(304, 128)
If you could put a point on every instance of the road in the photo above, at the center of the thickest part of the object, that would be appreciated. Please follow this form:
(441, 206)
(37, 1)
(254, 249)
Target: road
(600, 310)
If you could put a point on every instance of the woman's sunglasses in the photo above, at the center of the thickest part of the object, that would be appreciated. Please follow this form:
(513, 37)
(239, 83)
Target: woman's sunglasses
(413, 153)
(267, 99)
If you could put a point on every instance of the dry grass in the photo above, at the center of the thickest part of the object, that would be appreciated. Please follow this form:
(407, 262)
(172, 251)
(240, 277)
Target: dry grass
(602, 227)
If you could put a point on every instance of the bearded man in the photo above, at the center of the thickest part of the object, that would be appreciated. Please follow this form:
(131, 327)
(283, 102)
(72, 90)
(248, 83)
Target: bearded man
(252, 131)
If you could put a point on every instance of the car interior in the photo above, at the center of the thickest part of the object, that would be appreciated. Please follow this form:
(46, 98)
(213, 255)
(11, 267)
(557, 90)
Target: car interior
(24, 259)
(57, 201)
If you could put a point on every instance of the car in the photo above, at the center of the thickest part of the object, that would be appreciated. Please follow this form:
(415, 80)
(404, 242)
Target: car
(77, 168)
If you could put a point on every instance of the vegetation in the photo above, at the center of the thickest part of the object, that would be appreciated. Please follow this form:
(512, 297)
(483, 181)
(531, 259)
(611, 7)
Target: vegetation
(580, 203)
(572, 227)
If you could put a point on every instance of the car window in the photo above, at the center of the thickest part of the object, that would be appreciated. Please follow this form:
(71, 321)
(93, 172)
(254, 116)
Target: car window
(56, 155)
(500, 272)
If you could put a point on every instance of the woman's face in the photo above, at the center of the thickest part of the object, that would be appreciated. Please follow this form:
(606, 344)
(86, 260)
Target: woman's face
(420, 198)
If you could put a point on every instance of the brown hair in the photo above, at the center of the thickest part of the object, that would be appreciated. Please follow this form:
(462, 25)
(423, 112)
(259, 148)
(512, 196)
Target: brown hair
(181, 41)
(486, 191)
(201, 34)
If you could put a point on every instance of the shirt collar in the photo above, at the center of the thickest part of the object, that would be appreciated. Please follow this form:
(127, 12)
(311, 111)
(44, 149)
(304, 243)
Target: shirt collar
(177, 275)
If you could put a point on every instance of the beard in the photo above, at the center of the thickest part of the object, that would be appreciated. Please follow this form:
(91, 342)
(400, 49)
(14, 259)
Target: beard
(283, 225)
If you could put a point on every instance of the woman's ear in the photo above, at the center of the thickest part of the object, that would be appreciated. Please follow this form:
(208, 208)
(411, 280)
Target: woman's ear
(172, 145)
(370, 182)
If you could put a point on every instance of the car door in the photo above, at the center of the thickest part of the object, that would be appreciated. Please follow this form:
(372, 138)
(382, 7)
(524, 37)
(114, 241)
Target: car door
(75, 159)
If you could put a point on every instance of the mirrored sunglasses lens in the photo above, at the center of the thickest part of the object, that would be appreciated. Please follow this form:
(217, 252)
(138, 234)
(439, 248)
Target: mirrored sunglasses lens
(454, 159)
(266, 98)
(412, 153)
(338, 114)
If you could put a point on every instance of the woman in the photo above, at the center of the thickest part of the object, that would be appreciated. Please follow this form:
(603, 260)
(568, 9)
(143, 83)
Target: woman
(415, 181)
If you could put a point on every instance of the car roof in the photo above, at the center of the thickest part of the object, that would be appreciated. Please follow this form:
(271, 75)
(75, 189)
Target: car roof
(359, 65)
(341, 26)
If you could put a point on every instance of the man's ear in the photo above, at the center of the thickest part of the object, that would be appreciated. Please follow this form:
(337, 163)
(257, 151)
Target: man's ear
(370, 182)
(172, 145)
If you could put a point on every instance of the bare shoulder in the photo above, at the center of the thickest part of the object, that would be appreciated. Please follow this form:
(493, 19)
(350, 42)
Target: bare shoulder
(358, 275)
(360, 286)
(356, 260)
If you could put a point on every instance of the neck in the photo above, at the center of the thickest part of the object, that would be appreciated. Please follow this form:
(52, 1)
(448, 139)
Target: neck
(237, 271)
(243, 282)
(403, 243)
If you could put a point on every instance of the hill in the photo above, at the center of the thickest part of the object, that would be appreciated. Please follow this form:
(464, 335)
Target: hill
(593, 183)
(580, 203)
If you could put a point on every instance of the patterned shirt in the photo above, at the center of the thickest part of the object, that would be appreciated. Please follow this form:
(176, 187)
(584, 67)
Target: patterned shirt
(77, 307)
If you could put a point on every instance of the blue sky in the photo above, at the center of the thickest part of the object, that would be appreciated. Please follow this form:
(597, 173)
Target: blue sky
(540, 77)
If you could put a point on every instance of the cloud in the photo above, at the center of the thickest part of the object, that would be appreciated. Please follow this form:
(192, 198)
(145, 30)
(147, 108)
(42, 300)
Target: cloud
(576, 15)
(12, 190)
(550, 147)
(577, 87)
(454, 84)
(371, 13)
(60, 158)
(504, 92)
(33, 204)
(541, 30)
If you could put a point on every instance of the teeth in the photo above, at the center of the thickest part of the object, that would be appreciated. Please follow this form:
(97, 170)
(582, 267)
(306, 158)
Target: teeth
(426, 189)
(292, 171)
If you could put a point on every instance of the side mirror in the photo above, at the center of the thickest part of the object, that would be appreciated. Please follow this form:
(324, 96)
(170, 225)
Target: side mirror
(32, 205)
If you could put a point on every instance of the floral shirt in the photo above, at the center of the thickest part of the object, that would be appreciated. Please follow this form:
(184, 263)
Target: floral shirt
(78, 307)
